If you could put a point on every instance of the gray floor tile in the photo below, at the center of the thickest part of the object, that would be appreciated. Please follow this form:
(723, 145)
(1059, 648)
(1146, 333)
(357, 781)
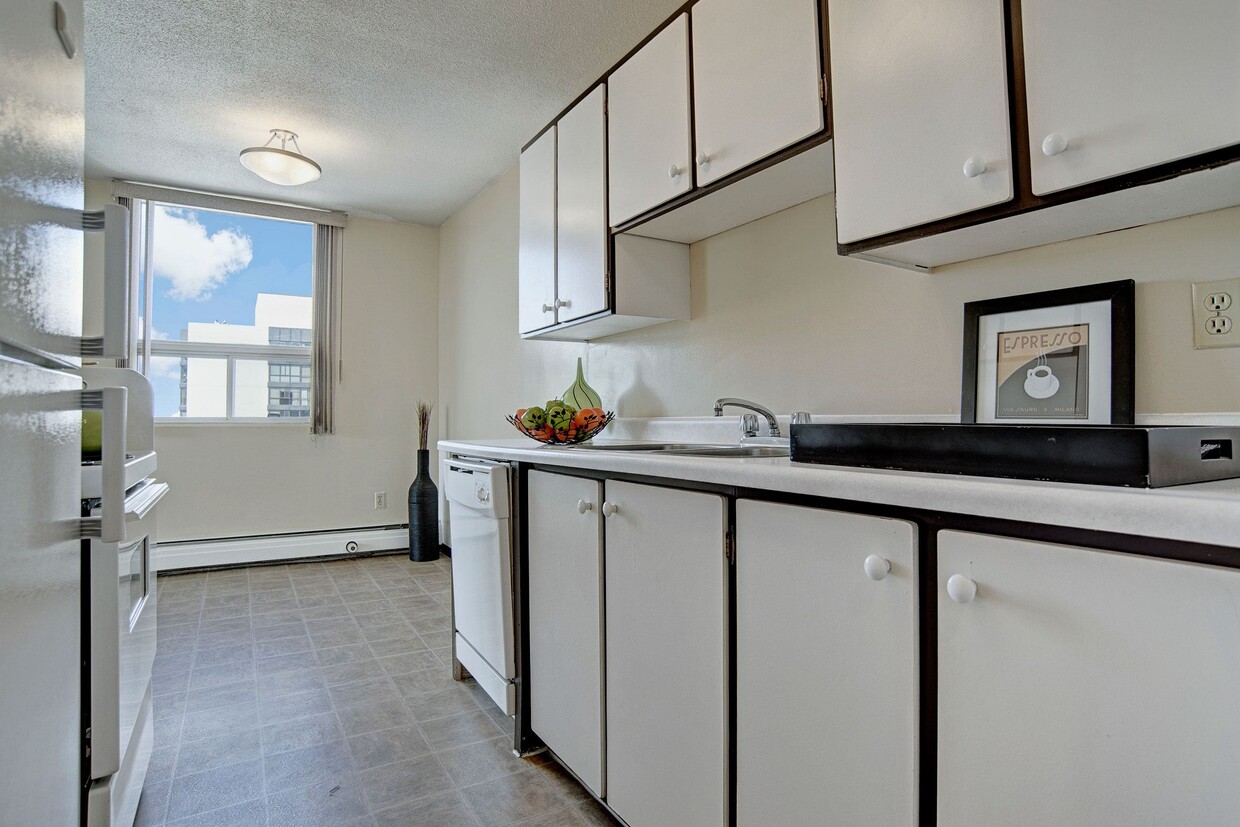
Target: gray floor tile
(558, 777)
(474, 763)
(168, 705)
(393, 784)
(374, 749)
(428, 680)
(247, 814)
(511, 798)
(217, 675)
(225, 694)
(212, 722)
(282, 646)
(163, 760)
(409, 662)
(467, 728)
(213, 789)
(274, 631)
(595, 814)
(218, 751)
(364, 692)
(318, 764)
(345, 673)
(289, 681)
(153, 805)
(301, 732)
(169, 682)
(373, 716)
(284, 663)
(448, 809)
(297, 705)
(324, 612)
(566, 817)
(351, 653)
(454, 700)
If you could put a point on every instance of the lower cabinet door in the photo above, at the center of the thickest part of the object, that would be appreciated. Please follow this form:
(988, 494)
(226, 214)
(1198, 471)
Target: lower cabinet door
(1079, 686)
(826, 667)
(667, 720)
(566, 621)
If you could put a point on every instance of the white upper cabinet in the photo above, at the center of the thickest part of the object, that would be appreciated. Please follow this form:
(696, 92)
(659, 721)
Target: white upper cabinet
(1113, 89)
(581, 209)
(919, 112)
(756, 73)
(649, 146)
(1084, 687)
(536, 254)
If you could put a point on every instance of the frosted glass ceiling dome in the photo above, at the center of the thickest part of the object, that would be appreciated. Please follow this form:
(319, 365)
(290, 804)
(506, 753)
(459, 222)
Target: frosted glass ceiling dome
(281, 165)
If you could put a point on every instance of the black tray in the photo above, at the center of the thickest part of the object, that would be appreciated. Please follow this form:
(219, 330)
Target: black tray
(1126, 455)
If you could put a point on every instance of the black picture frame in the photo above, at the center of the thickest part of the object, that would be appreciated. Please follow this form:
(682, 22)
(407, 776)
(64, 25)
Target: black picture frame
(1121, 295)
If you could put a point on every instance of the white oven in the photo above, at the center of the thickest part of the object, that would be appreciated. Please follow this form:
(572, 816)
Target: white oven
(122, 605)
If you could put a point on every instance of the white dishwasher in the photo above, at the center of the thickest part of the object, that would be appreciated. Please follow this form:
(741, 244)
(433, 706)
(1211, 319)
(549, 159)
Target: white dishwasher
(480, 522)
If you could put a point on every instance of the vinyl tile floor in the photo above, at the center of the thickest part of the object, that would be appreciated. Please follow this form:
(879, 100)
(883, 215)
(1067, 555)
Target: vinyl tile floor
(321, 694)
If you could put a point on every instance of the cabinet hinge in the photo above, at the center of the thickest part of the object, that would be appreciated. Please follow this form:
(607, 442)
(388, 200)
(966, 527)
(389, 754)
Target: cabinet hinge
(822, 88)
(729, 547)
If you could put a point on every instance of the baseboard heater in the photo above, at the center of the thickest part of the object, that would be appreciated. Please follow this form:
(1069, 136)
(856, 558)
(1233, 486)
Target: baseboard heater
(349, 542)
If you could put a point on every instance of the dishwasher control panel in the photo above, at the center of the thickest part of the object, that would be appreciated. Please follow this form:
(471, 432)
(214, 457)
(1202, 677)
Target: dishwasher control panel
(477, 484)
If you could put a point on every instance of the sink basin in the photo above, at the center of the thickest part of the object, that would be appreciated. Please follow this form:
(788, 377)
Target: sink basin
(690, 449)
(647, 446)
(734, 451)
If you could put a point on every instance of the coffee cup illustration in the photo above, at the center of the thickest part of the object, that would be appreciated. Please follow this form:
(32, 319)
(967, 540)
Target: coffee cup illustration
(1041, 383)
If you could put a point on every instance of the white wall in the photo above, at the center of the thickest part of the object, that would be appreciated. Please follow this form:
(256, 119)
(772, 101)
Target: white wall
(240, 479)
(780, 318)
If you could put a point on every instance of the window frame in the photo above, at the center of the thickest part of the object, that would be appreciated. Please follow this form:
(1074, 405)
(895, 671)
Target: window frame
(149, 348)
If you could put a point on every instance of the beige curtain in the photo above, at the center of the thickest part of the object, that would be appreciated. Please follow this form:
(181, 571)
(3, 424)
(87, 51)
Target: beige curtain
(325, 357)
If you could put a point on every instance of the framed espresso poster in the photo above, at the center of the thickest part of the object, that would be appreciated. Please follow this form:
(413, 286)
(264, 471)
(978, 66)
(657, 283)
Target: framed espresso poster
(1059, 357)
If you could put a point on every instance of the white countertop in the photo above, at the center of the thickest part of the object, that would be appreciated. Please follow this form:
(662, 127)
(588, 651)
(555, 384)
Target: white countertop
(1201, 513)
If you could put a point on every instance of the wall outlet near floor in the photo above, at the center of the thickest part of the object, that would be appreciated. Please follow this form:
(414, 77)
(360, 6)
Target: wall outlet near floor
(380, 499)
(1214, 305)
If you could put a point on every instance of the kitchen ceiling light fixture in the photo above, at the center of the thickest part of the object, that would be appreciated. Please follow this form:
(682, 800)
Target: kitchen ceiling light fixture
(281, 165)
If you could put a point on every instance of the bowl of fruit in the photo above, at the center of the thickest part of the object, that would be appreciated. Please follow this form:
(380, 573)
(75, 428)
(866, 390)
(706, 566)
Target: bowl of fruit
(559, 423)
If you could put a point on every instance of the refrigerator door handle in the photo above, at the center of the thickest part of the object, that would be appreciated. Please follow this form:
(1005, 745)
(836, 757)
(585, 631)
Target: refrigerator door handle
(113, 222)
(110, 526)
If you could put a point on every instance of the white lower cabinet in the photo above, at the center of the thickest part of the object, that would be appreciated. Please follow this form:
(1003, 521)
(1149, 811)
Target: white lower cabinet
(667, 677)
(1079, 686)
(826, 667)
(565, 598)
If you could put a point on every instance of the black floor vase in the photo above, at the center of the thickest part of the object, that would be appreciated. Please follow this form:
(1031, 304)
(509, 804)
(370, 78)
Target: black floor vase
(423, 513)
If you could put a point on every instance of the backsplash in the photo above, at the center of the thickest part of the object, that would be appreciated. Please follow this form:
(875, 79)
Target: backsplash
(779, 318)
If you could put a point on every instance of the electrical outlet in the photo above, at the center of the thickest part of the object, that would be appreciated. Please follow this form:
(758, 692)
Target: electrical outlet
(1213, 325)
(380, 499)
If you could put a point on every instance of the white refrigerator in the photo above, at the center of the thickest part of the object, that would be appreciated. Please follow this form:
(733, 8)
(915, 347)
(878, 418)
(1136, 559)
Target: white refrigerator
(41, 201)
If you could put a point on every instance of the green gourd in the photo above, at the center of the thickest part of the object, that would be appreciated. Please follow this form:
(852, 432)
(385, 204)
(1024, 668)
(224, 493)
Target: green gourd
(579, 394)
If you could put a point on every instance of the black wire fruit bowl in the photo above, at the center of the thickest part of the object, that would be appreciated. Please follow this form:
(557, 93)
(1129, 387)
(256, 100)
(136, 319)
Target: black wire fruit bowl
(581, 429)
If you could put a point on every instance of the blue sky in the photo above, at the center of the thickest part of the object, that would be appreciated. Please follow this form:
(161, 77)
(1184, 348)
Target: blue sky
(210, 267)
(282, 253)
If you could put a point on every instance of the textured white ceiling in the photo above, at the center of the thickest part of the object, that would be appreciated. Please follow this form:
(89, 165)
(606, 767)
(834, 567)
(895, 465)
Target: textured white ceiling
(411, 106)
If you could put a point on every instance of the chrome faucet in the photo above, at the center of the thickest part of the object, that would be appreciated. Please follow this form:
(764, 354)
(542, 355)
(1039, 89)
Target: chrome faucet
(772, 425)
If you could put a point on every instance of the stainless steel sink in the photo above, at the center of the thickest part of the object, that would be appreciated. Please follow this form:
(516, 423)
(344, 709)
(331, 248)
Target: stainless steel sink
(690, 449)
(735, 451)
(647, 446)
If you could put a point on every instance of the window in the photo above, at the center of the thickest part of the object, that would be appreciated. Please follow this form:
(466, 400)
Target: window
(224, 290)
(228, 315)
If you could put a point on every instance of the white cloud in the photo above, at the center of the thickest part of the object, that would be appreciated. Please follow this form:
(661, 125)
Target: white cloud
(196, 263)
(165, 367)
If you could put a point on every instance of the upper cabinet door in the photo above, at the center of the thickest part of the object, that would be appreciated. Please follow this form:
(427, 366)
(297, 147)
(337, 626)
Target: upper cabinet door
(1113, 90)
(920, 112)
(756, 68)
(536, 256)
(581, 212)
(649, 148)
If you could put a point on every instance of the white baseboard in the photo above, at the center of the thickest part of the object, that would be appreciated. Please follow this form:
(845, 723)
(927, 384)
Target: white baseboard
(210, 553)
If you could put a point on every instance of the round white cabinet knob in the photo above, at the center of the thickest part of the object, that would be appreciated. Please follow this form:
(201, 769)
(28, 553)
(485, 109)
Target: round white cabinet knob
(584, 505)
(1053, 144)
(961, 589)
(702, 159)
(674, 172)
(562, 302)
(876, 568)
(973, 167)
(610, 509)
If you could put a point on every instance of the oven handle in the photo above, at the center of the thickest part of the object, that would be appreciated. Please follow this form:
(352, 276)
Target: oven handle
(110, 525)
(140, 504)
